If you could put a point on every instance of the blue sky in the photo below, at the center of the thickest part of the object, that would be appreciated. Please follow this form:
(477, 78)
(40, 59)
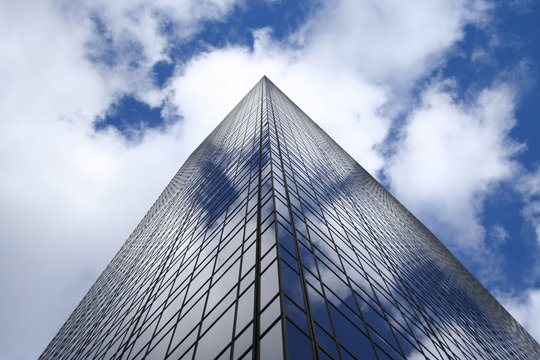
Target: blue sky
(100, 104)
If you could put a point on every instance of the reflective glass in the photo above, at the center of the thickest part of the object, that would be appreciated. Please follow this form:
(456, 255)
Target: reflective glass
(272, 242)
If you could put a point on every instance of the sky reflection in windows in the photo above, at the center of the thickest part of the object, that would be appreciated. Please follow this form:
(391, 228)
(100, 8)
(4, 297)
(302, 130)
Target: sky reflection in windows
(271, 242)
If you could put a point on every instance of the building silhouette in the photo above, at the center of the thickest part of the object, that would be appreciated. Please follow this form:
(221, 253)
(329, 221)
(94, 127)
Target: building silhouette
(272, 242)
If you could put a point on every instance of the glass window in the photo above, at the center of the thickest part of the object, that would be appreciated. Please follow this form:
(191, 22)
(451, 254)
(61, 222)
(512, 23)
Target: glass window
(351, 336)
(217, 337)
(272, 344)
(299, 345)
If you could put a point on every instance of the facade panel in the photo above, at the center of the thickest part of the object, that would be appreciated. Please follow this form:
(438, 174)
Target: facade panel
(272, 242)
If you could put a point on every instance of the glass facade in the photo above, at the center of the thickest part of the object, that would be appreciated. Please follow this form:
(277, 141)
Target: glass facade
(271, 242)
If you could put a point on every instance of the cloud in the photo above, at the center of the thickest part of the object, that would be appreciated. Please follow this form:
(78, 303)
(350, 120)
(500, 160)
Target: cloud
(387, 40)
(38, 193)
(525, 308)
(450, 155)
(349, 112)
(498, 235)
(130, 37)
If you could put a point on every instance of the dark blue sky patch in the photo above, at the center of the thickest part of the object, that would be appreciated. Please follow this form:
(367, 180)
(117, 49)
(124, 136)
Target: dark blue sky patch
(283, 17)
(471, 65)
(528, 114)
(162, 71)
(131, 118)
(521, 31)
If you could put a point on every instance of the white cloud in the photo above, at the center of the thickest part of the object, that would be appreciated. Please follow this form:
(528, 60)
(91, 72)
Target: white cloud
(349, 111)
(389, 40)
(498, 235)
(132, 34)
(525, 308)
(451, 154)
(37, 193)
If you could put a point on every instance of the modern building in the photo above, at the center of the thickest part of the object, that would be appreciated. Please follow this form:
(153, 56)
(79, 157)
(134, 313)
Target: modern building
(272, 242)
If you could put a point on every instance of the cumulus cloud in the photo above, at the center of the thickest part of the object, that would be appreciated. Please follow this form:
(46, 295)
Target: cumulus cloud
(349, 112)
(129, 37)
(525, 308)
(450, 155)
(388, 40)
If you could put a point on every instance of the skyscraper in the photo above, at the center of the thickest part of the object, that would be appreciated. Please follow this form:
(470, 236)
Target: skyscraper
(272, 242)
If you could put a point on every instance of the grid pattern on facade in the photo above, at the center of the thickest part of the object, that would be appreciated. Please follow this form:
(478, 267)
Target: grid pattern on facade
(271, 242)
